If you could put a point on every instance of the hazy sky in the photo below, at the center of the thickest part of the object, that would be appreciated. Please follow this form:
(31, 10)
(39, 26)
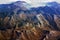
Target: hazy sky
(6, 1)
(29, 1)
(32, 2)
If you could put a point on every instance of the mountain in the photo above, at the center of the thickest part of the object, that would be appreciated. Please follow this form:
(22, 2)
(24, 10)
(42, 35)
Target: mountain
(48, 13)
(23, 6)
(9, 9)
(18, 21)
(18, 8)
(47, 9)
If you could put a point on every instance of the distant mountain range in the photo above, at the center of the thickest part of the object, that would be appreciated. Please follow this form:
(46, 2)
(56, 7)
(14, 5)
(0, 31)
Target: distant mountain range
(52, 8)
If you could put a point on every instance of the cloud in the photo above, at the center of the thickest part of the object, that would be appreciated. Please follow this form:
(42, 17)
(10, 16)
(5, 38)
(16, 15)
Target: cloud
(28, 1)
(6, 1)
(36, 3)
(33, 3)
(57, 1)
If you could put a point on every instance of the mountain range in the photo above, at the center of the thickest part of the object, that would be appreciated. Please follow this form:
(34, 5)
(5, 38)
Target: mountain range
(48, 11)
(19, 21)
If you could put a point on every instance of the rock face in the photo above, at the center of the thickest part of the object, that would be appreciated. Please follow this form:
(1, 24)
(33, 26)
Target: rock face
(51, 22)
(57, 19)
(19, 23)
